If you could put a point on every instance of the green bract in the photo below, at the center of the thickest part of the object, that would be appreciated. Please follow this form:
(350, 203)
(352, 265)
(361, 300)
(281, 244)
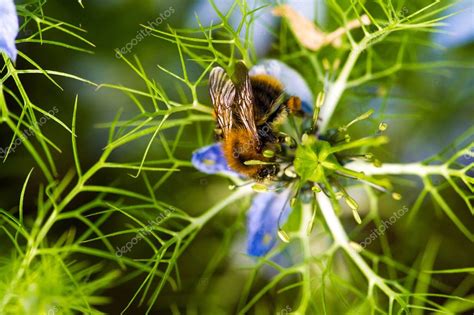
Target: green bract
(314, 160)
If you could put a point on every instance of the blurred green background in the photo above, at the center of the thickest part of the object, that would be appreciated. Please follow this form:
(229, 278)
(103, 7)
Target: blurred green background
(425, 110)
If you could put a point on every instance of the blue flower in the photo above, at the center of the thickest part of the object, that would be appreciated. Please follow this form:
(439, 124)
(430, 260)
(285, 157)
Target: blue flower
(8, 28)
(263, 23)
(458, 29)
(210, 160)
(262, 221)
(262, 217)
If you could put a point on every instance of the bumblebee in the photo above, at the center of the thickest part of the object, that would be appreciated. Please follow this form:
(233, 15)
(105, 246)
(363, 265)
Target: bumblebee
(248, 110)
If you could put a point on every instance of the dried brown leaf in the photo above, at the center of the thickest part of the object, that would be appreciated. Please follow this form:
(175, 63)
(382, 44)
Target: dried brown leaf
(309, 35)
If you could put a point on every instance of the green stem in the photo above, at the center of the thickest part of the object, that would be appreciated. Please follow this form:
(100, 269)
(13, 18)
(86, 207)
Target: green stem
(306, 214)
(418, 169)
(337, 88)
(33, 245)
(342, 241)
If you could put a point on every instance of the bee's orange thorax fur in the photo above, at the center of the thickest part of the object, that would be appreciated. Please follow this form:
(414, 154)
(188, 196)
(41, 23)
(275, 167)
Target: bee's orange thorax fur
(269, 80)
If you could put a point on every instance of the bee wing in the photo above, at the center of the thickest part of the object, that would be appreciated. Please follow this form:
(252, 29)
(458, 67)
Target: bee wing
(222, 92)
(244, 107)
(274, 107)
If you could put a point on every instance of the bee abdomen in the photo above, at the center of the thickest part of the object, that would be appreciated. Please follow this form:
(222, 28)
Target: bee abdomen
(240, 146)
(266, 90)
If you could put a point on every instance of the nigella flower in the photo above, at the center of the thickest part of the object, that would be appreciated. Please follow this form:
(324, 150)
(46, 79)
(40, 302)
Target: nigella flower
(210, 160)
(267, 207)
(8, 28)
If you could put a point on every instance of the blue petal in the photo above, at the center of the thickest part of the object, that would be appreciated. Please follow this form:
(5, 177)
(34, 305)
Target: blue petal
(292, 81)
(262, 221)
(264, 20)
(458, 29)
(313, 10)
(211, 160)
(263, 23)
(8, 28)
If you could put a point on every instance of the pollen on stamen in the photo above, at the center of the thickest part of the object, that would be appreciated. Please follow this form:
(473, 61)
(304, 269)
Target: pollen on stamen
(304, 138)
(290, 173)
(256, 162)
(289, 141)
(351, 203)
(357, 119)
(266, 239)
(268, 153)
(259, 188)
(283, 236)
(316, 188)
(320, 99)
(396, 196)
(326, 64)
(342, 129)
(377, 163)
(383, 126)
(208, 162)
(311, 224)
(356, 216)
